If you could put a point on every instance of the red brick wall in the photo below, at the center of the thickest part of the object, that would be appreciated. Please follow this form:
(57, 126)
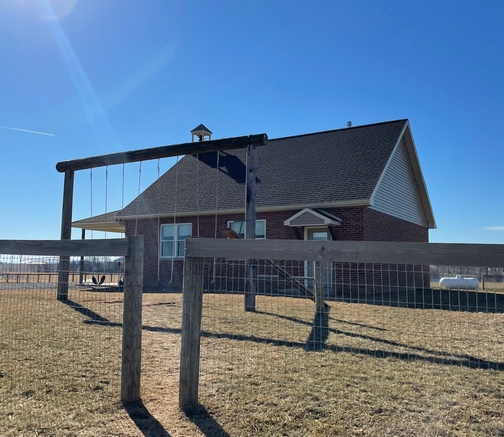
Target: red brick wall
(367, 279)
(383, 227)
(358, 224)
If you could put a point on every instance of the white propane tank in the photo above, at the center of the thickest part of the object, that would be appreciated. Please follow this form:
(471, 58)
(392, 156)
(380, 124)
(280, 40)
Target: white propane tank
(459, 282)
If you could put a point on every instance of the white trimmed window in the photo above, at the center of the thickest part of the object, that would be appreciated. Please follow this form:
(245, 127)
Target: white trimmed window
(173, 239)
(239, 227)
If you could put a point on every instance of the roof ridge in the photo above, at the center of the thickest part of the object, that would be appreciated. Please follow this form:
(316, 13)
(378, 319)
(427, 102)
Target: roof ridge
(339, 129)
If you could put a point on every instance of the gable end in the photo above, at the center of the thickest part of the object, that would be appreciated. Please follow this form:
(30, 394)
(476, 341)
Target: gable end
(397, 193)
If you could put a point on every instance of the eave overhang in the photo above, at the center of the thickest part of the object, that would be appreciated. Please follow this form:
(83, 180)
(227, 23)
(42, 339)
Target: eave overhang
(340, 204)
(107, 222)
(103, 227)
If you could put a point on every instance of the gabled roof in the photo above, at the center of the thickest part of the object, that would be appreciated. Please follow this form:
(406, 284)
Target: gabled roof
(335, 168)
(312, 217)
(201, 127)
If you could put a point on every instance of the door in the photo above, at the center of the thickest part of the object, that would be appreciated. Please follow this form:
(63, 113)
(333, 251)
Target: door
(317, 234)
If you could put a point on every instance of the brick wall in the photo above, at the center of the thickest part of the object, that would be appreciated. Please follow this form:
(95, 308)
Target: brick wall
(358, 224)
(383, 227)
(352, 279)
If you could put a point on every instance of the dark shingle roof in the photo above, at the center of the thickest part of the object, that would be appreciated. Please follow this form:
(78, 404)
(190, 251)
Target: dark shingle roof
(201, 127)
(341, 165)
(101, 218)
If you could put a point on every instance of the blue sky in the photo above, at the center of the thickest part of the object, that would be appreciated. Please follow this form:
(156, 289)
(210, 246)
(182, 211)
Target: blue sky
(101, 76)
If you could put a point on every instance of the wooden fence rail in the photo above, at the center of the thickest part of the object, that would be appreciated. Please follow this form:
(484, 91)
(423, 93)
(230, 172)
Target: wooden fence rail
(108, 247)
(50, 277)
(452, 254)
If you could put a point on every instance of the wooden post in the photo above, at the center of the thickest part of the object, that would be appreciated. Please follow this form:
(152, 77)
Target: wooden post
(66, 234)
(191, 330)
(81, 264)
(132, 321)
(250, 228)
(320, 283)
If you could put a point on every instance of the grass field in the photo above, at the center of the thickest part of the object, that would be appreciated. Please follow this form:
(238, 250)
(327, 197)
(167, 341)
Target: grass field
(363, 370)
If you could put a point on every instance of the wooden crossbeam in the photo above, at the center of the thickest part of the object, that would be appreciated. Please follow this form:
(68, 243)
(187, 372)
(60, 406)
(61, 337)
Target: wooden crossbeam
(163, 152)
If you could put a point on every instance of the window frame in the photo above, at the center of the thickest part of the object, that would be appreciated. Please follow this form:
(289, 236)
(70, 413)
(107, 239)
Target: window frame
(245, 225)
(176, 240)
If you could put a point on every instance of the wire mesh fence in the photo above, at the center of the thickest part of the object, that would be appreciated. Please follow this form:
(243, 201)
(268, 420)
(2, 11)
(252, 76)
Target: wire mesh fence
(65, 366)
(60, 362)
(389, 353)
(332, 348)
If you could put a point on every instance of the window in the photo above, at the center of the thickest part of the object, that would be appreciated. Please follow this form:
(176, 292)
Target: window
(173, 238)
(320, 235)
(239, 227)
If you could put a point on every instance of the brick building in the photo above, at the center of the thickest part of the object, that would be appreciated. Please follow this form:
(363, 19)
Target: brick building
(361, 183)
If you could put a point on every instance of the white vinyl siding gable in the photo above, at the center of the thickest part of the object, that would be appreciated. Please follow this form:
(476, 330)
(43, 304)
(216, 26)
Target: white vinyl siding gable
(397, 193)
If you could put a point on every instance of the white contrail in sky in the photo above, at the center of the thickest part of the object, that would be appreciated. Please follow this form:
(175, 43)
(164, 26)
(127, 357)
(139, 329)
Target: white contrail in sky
(495, 228)
(26, 130)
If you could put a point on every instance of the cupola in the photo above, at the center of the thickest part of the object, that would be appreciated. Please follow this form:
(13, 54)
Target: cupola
(202, 133)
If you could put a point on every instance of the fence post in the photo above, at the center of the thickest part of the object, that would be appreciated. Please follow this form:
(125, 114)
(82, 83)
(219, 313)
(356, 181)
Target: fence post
(250, 228)
(66, 234)
(132, 321)
(81, 262)
(320, 272)
(191, 330)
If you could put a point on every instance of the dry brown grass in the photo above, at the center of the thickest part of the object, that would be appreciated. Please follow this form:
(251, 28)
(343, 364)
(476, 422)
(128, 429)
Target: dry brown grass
(382, 371)
(372, 371)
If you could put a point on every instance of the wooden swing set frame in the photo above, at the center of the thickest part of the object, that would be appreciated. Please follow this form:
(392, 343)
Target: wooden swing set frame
(250, 142)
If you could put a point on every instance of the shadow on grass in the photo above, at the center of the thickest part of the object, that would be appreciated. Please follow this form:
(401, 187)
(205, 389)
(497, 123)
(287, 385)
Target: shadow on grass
(317, 340)
(205, 422)
(371, 338)
(451, 300)
(85, 311)
(145, 421)
(360, 325)
(320, 331)
(436, 357)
